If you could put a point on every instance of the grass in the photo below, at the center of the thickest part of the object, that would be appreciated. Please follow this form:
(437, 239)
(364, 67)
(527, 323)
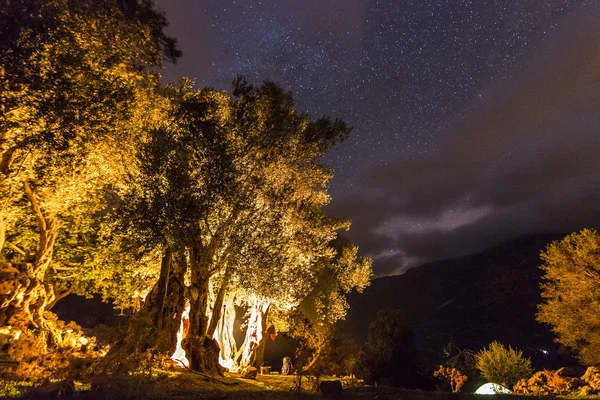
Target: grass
(186, 385)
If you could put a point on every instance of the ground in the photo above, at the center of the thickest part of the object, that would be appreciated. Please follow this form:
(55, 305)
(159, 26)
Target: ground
(186, 385)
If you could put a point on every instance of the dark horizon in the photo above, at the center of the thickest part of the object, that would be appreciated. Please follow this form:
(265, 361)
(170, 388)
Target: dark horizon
(473, 123)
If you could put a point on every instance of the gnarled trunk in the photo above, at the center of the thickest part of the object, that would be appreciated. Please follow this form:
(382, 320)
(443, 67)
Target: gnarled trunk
(24, 295)
(202, 351)
(166, 301)
(219, 304)
(157, 324)
(255, 333)
(224, 334)
(25, 298)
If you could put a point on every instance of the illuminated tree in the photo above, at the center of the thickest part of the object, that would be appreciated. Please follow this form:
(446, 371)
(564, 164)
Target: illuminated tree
(233, 185)
(571, 293)
(501, 365)
(325, 304)
(74, 83)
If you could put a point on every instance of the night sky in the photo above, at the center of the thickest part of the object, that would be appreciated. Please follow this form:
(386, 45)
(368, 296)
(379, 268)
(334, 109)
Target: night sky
(474, 121)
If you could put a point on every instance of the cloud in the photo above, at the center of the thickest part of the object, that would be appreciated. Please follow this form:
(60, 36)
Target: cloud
(524, 159)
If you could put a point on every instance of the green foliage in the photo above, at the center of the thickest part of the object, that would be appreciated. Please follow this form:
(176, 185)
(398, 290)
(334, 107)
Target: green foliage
(74, 99)
(505, 366)
(76, 92)
(103, 173)
(314, 320)
(571, 293)
(341, 354)
(451, 378)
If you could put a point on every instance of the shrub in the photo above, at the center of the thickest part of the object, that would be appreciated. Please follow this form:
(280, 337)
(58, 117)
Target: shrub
(451, 377)
(501, 365)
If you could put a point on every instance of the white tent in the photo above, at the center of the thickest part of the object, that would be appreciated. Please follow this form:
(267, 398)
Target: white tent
(492, 388)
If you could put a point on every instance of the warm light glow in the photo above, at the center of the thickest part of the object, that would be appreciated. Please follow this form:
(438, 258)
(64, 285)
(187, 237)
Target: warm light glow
(224, 336)
(229, 364)
(492, 388)
(254, 334)
(179, 355)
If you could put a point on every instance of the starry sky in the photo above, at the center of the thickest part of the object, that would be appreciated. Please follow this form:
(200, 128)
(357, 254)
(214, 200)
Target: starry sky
(474, 121)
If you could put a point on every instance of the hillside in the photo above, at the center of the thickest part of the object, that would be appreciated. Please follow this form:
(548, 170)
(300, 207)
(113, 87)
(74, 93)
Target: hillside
(469, 301)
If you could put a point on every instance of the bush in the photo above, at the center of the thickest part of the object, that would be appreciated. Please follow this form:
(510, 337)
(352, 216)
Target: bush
(451, 378)
(501, 365)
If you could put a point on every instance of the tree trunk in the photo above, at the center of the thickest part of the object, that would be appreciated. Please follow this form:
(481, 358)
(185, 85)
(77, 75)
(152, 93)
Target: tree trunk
(202, 350)
(24, 295)
(58, 297)
(218, 306)
(24, 299)
(314, 359)
(2, 232)
(255, 333)
(224, 334)
(156, 325)
(166, 301)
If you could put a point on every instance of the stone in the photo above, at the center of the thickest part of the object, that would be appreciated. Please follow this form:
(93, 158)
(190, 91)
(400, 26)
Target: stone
(331, 389)
(249, 373)
(592, 378)
(287, 368)
(547, 383)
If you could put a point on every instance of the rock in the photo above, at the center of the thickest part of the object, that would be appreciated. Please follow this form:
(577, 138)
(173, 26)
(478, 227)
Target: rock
(592, 378)
(547, 383)
(585, 391)
(331, 389)
(249, 373)
(568, 371)
(57, 390)
(287, 367)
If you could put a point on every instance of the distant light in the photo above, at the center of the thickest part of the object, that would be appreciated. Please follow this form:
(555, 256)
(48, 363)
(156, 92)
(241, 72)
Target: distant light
(492, 388)
(545, 351)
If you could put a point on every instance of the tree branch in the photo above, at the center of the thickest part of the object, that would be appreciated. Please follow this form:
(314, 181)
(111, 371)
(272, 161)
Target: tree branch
(2, 232)
(13, 246)
(39, 216)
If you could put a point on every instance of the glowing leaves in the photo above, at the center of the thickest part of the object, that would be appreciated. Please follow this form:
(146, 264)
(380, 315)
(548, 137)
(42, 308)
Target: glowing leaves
(571, 292)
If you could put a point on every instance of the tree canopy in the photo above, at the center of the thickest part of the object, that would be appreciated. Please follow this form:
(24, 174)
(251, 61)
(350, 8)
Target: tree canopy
(571, 293)
(156, 197)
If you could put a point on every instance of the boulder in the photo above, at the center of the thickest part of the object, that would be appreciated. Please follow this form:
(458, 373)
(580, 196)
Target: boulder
(249, 373)
(548, 383)
(592, 378)
(331, 389)
(287, 368)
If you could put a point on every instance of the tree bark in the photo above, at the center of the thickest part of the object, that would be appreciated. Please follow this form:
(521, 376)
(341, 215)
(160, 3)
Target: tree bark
(255, 333)
(314, 359)
(59, 297)
(218, 306)
(24, 296)
(224, 334)
(2, 232)
(202, 351)
(166, 301)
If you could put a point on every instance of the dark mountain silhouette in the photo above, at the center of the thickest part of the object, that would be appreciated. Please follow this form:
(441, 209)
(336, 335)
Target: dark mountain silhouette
(468, 301)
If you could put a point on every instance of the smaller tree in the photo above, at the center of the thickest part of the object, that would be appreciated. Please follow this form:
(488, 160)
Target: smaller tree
(505, 366)
(451, 377)
(571, 293)
(391, 352)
